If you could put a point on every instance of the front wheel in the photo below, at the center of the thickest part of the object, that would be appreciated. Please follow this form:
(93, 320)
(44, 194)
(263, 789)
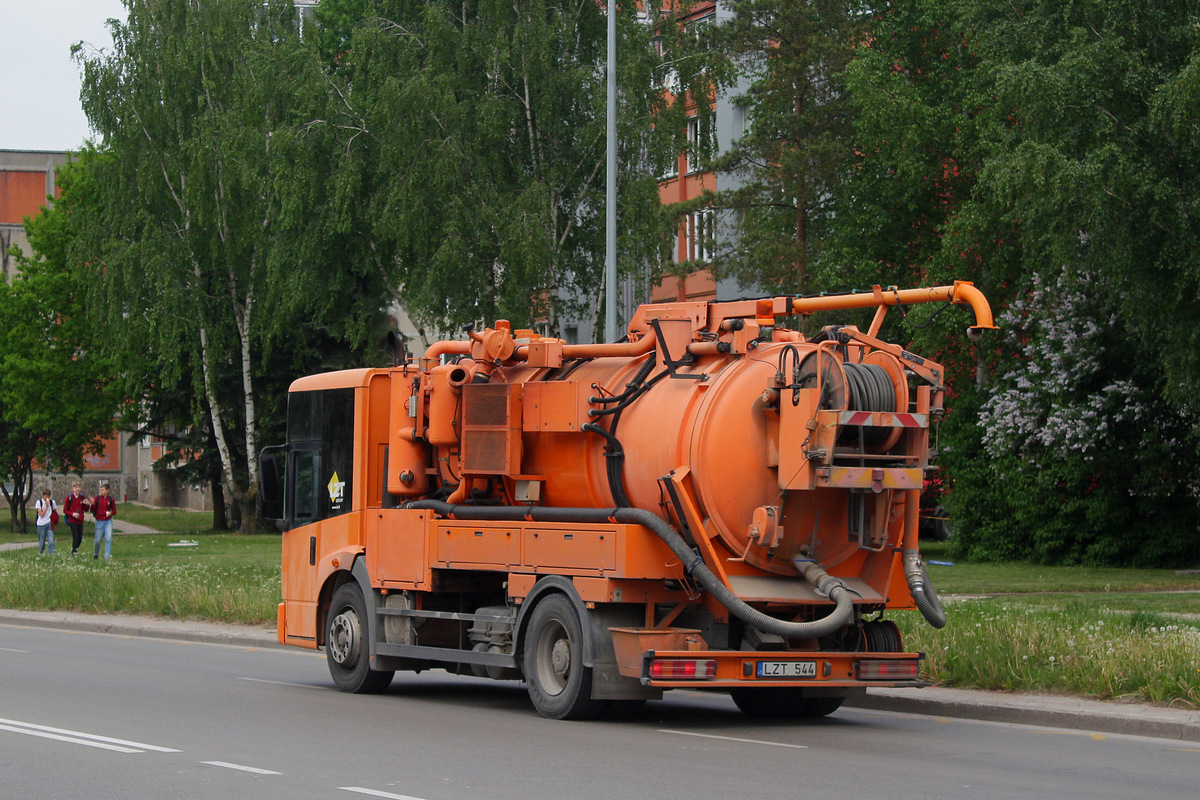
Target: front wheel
(347, 650)
(559, 683)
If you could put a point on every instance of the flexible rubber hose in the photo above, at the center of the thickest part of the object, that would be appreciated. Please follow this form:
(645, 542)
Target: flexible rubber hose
(923, 593)
(693, 563)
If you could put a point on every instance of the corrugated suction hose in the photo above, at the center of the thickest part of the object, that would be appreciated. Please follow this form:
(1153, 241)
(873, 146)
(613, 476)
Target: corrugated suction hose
(923, 593)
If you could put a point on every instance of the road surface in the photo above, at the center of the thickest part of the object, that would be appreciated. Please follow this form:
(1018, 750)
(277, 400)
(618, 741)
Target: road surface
(94, 716)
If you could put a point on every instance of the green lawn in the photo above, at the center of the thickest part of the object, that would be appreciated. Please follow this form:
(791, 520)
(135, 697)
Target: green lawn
(168, 520)
(223, 577)
(964, 578)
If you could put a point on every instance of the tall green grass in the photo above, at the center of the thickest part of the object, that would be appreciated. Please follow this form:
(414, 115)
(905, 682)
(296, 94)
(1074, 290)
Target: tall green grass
(225, 578)
(1074, 648)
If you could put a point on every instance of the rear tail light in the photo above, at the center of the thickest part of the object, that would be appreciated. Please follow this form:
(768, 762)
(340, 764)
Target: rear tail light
(892, 669)
(683, 669)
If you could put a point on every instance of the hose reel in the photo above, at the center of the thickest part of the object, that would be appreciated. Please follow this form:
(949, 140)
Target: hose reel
(876, 384)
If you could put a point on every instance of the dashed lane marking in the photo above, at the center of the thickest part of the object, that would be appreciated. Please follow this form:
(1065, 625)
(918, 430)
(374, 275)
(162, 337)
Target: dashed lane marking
(735, 739)
(11, 650)
(283, 683)
(241, 767)
(77, 737)
(377, 793)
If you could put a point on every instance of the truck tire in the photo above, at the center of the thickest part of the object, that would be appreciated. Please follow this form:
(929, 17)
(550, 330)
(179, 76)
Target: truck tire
(559, 684)
(783, 702)
(347, 650)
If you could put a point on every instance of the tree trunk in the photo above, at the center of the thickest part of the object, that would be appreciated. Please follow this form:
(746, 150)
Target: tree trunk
(248, 511)
(220, 521)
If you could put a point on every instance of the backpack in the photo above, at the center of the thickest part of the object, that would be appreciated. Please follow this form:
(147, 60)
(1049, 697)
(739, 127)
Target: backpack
(53, 518)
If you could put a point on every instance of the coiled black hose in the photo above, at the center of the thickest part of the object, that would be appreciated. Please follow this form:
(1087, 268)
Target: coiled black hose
(868, 388)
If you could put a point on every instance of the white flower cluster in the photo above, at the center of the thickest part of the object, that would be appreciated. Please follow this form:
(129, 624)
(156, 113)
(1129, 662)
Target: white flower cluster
(1058, 398)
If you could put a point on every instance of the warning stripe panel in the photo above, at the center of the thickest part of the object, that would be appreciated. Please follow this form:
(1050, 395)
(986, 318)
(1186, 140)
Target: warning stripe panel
(883, 419)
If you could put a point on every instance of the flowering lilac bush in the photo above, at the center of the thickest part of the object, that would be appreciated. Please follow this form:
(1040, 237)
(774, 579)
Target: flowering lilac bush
(1075, 457)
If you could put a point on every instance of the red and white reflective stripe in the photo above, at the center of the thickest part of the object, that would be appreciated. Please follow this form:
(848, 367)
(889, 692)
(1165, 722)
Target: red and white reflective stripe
(683, 669)
(883, 419)
(899, 669)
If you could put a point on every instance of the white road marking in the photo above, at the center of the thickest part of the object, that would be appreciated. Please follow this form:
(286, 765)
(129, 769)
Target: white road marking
(735, 739)
(255, 770)
(283, 683)
(92, 740)
(70, 739)
(10, 650)
(376, 793)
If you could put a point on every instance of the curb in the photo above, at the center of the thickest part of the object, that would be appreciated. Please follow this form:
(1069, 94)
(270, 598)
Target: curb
(1007, 707)
(1075, 713)
(122, 625)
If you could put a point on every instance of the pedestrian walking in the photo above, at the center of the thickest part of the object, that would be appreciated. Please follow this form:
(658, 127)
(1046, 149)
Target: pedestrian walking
(104, 508)
(74, 506)
(45, 523)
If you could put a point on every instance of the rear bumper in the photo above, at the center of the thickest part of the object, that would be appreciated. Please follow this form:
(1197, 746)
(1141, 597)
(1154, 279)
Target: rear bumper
(724, 669)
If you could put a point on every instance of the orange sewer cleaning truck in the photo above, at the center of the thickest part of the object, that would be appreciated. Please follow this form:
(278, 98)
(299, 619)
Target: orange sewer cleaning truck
(716, 502)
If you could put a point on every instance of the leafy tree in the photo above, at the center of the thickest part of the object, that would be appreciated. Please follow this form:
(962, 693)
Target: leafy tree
(223, 249)
(787, 59)
(1011, 145)
(1106, 459)
(475, 152)
(57, 403)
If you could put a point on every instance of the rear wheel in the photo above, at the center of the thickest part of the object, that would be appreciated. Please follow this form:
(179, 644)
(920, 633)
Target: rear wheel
(346, 648)
(559, 683)
(882, 636)
(783, 702)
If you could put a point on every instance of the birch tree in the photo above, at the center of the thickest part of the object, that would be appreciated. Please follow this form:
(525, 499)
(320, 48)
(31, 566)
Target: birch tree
(475, 143)
(210, 112)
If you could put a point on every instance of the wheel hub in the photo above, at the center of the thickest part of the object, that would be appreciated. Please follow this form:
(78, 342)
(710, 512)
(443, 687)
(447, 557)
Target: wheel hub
(560, 659)
(345, 634)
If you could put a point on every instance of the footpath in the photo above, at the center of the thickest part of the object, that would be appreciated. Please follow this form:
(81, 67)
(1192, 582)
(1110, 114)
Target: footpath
(1046, 710)
(120, 527)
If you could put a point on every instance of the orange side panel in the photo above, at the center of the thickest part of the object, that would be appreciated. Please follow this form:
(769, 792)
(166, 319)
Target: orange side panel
(397, 545)
(559, 406)
(570, 548)
(301, 621)
(470, 544)
(301, 585)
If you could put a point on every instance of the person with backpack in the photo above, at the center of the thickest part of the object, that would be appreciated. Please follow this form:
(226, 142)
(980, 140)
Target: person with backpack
(104, 508)
(46, 517)
(74, 506)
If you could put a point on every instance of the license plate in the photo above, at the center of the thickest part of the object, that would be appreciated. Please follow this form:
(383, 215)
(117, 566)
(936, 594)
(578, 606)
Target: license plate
(787, 669)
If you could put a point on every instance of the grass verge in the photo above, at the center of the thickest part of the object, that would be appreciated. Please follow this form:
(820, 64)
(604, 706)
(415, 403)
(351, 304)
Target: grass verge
(224, 577)
(1072, 647)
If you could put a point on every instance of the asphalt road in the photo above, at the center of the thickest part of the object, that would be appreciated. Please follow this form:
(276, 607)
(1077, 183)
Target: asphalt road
(93, 716)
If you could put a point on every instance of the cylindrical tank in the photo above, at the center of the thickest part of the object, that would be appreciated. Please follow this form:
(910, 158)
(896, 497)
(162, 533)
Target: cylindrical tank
(719, 428)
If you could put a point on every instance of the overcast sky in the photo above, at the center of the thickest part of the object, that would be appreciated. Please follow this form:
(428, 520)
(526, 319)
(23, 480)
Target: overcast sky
(39, 93)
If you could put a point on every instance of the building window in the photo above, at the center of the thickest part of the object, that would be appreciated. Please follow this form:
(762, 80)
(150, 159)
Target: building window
(672, 168)
(697, 139)
(699, 235)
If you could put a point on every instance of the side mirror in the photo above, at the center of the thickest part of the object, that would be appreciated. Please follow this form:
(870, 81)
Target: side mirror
(272, 463)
